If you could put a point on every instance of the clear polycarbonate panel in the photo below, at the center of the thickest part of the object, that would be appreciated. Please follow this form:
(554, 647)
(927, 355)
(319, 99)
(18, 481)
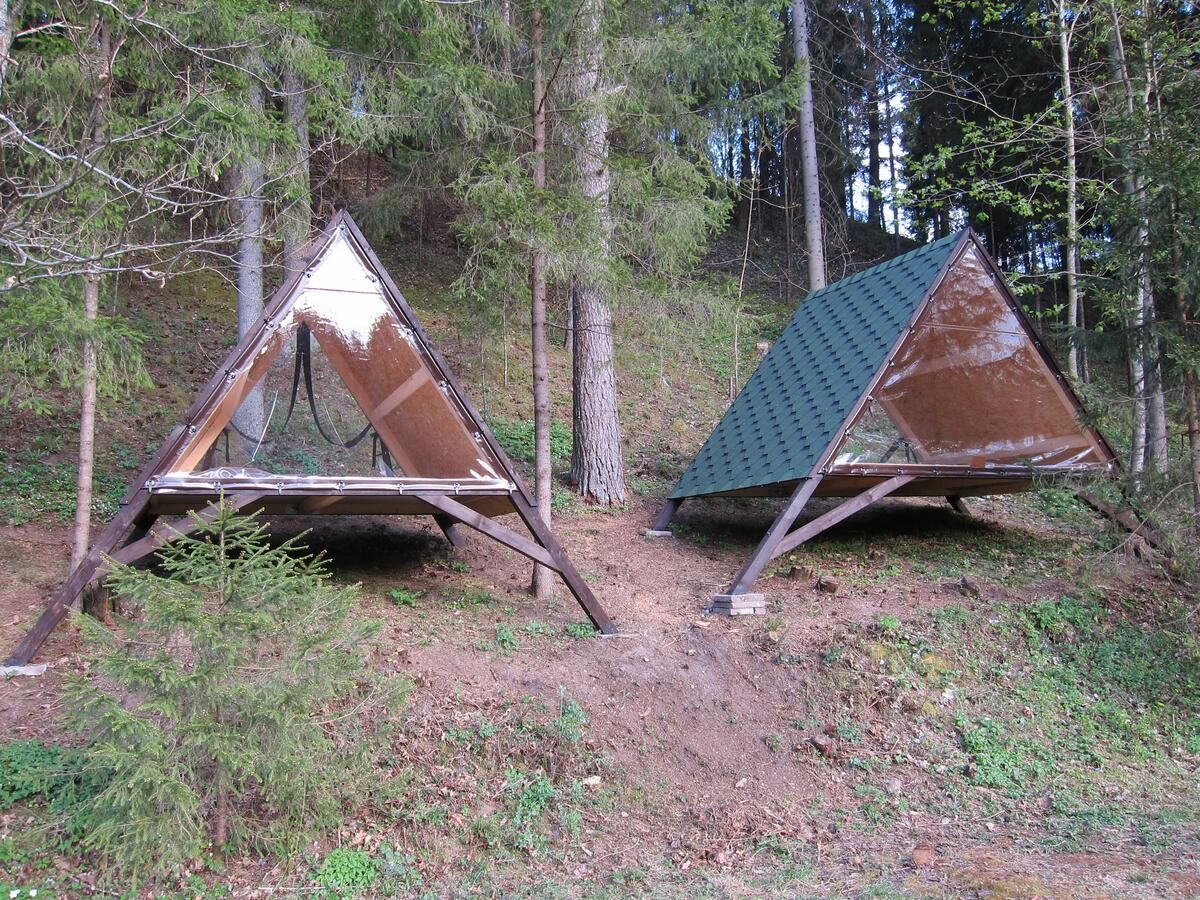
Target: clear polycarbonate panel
(969, 388)
(280, 429)
(377, 407)
(875, 439)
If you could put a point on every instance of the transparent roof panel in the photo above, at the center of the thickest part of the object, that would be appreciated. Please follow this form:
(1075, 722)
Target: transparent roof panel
(376, 406)
(969, 388)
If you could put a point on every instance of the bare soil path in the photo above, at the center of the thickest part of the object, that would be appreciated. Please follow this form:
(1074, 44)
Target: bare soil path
(711, 730)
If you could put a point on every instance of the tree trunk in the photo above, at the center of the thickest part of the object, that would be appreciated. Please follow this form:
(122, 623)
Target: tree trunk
(1191, 383)
(81, 534)
(93, 134)
(1156, 439)
(808, 150)
(893, 188)
(597, 467)
(1134, 190)
(1191, 386)
(745, 175)
(543, 582)
(298, 222)
(874, 131)
(248, 420)
(1071, 249)
(1139, 449)
(8, 19)
(506, 18)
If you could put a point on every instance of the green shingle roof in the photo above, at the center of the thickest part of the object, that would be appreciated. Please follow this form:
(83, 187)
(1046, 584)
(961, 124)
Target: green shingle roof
(807, 384)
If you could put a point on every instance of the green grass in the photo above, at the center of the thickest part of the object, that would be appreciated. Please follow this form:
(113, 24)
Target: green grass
(1067, 698)
(351, 871)
(517, 438)
(405, 598)
(43, 786)
(31, 489)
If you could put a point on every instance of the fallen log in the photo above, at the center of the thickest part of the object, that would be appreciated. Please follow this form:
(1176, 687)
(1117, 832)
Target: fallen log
(1127, 519)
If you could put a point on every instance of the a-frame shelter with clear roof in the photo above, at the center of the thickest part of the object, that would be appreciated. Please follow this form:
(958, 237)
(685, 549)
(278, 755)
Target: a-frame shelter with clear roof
(335, 403)
(920, 376)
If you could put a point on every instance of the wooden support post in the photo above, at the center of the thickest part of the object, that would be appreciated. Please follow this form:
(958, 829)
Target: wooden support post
(666, 514)
(67, 595)
(958, 505)
(766, 549)
(450, 530)
(573, 580)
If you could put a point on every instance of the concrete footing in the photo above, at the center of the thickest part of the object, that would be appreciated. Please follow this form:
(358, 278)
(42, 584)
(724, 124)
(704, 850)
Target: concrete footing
(738, 605)
(656, 533)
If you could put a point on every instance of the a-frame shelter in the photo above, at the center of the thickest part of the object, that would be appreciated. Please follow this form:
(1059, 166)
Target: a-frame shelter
(388, 430)
(920, 376)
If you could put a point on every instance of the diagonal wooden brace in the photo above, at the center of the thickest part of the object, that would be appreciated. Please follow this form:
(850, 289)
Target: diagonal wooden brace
(958, 504)
(778, 540)
(809, 530)
(164, 532)
(767, 547)
(79, 579)
(450, 530)
(666, 514)
(546, 550)
(95, 564)
(460, 513)
(565, 568)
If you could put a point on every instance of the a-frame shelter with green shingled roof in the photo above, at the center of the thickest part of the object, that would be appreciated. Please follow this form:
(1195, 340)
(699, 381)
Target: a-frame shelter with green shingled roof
(388, 430)
(920, 376)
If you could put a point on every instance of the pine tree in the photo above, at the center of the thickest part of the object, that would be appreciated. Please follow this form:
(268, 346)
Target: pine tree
(219, 708)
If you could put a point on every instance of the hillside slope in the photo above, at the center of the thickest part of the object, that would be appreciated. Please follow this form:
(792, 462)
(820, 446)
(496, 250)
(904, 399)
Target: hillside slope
(995, 705)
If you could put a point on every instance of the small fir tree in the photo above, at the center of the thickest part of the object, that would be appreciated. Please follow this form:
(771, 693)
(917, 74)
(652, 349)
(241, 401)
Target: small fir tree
(229, 708)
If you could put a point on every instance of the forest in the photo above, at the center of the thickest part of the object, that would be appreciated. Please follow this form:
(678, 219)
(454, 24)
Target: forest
(592, 222)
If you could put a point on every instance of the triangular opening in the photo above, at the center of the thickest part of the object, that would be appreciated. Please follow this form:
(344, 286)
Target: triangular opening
(339, 386)
(970, 389)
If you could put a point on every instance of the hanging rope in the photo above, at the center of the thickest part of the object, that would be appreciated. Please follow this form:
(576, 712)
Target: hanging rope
(304, 367)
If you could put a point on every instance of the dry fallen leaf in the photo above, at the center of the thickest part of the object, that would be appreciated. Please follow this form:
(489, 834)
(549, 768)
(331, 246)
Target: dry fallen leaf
(922, 855)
